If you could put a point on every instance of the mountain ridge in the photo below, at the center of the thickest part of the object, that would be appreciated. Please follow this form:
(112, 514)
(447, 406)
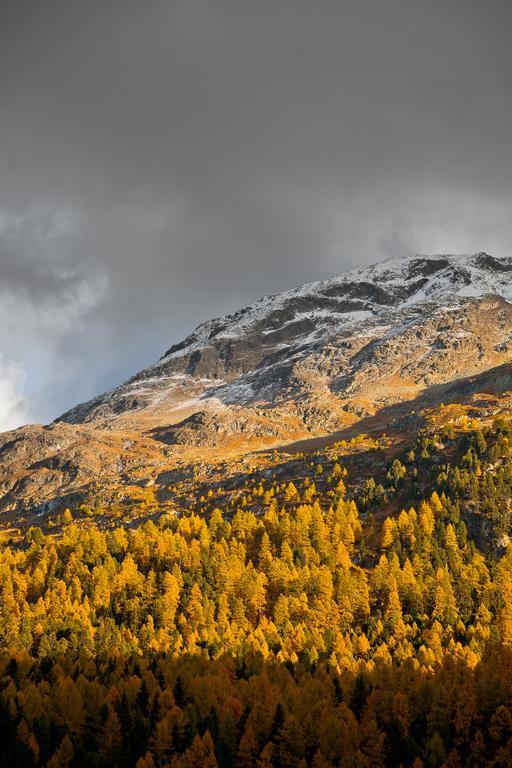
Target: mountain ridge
(371, 349)
(257, 346)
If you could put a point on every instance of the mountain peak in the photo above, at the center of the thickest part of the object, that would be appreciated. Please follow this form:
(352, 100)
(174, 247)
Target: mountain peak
(254, 354)
(394, 283)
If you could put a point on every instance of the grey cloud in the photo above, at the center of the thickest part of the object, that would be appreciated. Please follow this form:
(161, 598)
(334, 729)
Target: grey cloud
(36, 256)
(216, 151)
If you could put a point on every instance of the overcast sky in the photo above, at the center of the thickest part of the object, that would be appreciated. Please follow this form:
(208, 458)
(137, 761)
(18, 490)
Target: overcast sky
(165, 162)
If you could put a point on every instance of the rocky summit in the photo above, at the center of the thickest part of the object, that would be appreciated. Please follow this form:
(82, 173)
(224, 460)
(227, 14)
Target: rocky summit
(355, 343)
(357, 349)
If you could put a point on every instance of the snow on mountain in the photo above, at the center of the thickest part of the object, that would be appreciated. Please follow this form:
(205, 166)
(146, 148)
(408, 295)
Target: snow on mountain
(395, 283)
(329, 325)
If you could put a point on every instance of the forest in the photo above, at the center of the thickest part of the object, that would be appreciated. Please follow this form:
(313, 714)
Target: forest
(321, 620)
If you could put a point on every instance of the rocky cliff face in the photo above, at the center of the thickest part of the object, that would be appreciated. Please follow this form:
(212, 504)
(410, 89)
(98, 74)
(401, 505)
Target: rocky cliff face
(303, 363)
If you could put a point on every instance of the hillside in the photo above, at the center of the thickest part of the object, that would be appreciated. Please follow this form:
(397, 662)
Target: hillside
(366, 348)
(344, 607)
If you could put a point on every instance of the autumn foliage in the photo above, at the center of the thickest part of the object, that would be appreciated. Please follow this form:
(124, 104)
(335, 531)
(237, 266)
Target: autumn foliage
(292, 630)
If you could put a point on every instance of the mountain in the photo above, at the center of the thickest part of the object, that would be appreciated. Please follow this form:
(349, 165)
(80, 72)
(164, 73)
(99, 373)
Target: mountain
(363, 348)
(344, 346)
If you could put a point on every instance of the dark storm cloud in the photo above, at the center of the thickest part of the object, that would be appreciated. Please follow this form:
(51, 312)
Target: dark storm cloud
(204, 153)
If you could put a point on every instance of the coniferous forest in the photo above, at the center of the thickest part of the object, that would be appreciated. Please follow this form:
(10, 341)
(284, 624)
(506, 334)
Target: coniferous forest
(314, 621)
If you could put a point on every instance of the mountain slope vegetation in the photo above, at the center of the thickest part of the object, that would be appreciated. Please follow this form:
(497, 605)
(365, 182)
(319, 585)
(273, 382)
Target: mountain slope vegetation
(205, 638)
